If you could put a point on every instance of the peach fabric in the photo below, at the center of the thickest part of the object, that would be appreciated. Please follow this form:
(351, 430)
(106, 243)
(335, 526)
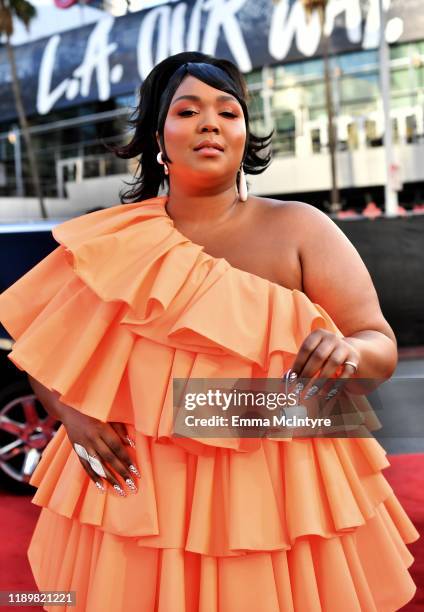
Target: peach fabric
(124, 304)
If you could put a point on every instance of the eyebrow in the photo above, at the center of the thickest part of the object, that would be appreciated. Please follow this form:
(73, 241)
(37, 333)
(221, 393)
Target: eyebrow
(197, 99)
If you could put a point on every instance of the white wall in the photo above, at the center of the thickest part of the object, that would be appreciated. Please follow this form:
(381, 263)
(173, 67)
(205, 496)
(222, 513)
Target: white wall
(97, 191)
(362, 168)
(26, 209)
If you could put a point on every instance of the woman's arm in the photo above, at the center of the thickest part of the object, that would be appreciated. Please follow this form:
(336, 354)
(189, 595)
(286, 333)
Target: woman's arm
(107, 441)
(49, 399)
(335, 277)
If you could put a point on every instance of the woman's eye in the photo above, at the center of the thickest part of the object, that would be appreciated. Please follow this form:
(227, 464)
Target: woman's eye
(187, 113)
(190, 113)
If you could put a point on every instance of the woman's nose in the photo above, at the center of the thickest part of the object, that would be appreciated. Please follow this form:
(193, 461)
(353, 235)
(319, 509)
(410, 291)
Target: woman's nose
(209, 127)
(208, 121)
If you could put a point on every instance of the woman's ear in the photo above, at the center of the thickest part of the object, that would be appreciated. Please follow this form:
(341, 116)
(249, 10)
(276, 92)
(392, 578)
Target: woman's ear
(157, 138)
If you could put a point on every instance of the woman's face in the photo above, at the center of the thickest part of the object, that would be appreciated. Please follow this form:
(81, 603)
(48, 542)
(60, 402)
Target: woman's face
(200, 113)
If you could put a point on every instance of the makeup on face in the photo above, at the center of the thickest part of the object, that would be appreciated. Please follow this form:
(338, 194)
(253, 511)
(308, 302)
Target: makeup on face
(204, 125)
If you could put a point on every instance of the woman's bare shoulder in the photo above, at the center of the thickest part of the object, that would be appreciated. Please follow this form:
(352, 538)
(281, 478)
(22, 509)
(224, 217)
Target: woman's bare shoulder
(332, 271)
(292, 208)
(292, 215)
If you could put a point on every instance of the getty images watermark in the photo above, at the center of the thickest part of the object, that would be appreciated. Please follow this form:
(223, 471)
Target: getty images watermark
(275, 408)
(217, 399)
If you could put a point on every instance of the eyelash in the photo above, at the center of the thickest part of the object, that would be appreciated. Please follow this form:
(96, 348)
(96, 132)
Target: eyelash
(226, 113)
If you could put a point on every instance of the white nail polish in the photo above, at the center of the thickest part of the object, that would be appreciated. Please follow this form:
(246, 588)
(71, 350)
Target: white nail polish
(299, 388)
(312, 391)
(119, 490)
(131, 485)
(134, 470)
(130, 441)
(331, 394)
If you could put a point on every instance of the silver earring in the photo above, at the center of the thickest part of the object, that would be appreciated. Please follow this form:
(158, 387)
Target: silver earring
(242, 186)
(160, 161)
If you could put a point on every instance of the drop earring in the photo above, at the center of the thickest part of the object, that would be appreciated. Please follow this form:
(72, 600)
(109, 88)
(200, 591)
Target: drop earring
(160, 161)
(242, 189)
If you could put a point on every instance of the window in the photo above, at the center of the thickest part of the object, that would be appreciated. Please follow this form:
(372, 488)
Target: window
(359, 87)
(316, 140)
(285, 133)
(315, 94)
(411, 129)
(349, 62)
(352, 136)
(254, 78)
(400, 80)
(372, 139)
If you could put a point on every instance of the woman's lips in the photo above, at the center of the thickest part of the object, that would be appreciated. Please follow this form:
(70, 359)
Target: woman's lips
(209, 151)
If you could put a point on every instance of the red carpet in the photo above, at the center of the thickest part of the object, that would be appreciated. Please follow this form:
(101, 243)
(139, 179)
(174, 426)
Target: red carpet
(406, 475)
(18, 516)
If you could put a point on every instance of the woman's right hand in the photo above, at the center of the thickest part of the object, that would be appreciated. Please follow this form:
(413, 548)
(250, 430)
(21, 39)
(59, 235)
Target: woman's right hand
(108, 443)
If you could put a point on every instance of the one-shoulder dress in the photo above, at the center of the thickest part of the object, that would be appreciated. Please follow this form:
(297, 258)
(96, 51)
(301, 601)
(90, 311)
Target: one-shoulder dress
(122, 306)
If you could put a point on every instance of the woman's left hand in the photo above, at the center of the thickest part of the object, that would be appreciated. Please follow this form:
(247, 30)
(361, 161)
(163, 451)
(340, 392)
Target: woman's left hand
(323, 353)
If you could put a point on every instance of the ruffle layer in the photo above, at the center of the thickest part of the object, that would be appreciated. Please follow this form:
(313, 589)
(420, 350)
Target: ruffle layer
(365, 571)
(133, 256)
(227, 503)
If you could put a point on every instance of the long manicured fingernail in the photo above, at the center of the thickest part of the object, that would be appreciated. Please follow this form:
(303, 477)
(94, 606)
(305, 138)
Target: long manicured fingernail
(331, 394)
(134, 470)
(291, 378)
(292, 375)
(131, 485)
(100, 487)
(314, 389)
(130, 441)
(120, 491)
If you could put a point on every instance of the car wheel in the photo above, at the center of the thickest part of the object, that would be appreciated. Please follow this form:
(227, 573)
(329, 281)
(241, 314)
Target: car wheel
(25, 430)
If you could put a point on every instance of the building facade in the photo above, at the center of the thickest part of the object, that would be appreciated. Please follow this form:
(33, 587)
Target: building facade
(79, 87)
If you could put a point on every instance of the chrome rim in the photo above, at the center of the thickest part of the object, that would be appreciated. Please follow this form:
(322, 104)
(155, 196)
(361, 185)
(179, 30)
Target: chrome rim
(25, 430)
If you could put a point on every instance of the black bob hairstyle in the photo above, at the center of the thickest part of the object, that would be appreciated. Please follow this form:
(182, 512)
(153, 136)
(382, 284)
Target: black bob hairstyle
(155, 95)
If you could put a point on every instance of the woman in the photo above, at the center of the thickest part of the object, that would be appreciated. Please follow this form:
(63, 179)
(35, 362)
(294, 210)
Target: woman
(205, 282)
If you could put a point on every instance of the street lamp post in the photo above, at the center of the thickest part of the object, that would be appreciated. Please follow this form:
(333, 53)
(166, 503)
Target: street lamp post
(319, 6)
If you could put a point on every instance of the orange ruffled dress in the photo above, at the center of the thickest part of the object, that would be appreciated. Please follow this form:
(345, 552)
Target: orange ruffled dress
(124, 304)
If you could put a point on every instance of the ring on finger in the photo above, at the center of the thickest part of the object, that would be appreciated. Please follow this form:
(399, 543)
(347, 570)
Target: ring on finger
(352, 364)
(96, 466)
(81, 451)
